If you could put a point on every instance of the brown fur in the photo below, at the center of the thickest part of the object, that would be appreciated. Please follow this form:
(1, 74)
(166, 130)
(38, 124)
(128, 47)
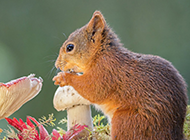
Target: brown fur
(144, 95)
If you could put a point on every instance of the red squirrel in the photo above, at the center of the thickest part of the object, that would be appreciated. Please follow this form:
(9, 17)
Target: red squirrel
(144, 96)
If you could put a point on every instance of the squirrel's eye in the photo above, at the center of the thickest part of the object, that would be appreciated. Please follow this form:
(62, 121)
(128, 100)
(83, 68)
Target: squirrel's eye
(69, 47)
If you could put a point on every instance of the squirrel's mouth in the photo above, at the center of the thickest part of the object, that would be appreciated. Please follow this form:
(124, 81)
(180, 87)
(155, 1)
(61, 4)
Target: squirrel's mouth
(72, 71)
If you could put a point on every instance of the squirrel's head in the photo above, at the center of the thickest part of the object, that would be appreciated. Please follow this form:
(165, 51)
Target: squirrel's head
(78, 51)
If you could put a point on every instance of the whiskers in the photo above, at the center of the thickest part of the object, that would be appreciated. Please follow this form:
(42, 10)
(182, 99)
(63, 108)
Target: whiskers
(64, 35)
(53, 70)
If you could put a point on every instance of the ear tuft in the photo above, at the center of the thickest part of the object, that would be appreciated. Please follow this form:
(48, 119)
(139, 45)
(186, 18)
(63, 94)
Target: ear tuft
(97, 22)
(97, 13)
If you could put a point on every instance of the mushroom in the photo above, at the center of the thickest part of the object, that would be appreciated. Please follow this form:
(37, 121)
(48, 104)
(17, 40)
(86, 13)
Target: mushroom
(78, 108)
(17, 92)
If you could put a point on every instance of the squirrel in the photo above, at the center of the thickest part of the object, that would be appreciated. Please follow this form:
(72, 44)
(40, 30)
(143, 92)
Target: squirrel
(144, 96)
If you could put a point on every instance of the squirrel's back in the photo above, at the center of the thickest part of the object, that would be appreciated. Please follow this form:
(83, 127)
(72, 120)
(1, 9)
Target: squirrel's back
(144, 95)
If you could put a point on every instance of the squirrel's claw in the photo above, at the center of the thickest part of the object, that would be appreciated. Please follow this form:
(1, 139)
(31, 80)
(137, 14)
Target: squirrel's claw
(59, 79)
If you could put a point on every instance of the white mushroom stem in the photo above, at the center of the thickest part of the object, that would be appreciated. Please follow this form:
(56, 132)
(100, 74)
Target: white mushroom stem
(78, 108)
(17, 92)
(79, 115)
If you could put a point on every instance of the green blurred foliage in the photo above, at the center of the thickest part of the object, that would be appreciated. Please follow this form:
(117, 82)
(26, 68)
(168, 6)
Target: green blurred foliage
(32, 31)
(187, 124)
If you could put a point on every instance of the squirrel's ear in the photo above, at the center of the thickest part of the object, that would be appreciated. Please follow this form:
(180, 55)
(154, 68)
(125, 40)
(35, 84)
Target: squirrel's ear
(97, 22)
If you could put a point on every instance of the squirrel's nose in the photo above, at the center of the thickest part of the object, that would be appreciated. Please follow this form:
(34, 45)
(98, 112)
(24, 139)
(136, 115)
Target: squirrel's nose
(57, 65)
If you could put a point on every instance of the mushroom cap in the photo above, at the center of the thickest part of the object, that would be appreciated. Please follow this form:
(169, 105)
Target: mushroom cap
(17, 92)
(67, 97)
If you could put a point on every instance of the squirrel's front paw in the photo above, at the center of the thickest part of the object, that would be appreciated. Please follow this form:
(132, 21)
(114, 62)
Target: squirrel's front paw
(59, 79)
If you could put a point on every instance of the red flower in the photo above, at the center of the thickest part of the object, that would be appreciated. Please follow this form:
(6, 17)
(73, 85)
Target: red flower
(56, 135)
(27, 131)
(76, 129)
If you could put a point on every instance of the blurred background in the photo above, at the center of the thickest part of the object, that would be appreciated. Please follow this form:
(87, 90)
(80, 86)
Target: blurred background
(31, 33)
